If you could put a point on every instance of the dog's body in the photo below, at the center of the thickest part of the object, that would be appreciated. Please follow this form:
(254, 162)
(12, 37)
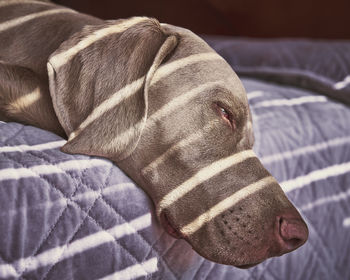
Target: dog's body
(158, 101)
(24, 58)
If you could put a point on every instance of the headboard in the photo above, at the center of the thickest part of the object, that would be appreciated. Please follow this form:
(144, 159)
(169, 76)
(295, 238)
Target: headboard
(248, 18)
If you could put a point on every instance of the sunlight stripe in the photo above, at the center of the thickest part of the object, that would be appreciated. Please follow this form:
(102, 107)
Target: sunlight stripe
(81, 164)
(305, 150)
(167, 69)
(14, 2)
(325, 200)
(124, 138)
(44, 169)
(58, 203)
(105, 191)
(119, 187)
(91, 241)
(203, 175)
(62, 202)
(290, 102)
(16, 173)
(346, 222)
(132, 88)
(254, 94)
(7, 271)
(342, 84)
(181, 100)
(38, 147)
(135, 271)
(226, 204)
(17, 21)
(27, 99)
(108, 104)
(193, 137)
(62, 58)
(316, 175)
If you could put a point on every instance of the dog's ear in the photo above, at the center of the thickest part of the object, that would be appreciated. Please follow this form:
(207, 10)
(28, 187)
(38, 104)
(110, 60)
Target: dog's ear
(99, 80)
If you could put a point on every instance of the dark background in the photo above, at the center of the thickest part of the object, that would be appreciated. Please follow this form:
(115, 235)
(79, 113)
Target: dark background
(252, 18)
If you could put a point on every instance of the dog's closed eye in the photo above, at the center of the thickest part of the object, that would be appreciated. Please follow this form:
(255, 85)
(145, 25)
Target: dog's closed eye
(226, 115)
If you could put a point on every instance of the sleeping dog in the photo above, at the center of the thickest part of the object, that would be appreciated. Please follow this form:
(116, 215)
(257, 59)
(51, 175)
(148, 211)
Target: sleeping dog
(159, 102)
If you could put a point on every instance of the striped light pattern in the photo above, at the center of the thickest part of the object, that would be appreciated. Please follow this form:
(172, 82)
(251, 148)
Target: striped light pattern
(192, 138)
(173, 66)
(50, 257)
(36, 170)
(346, 222)
(203, 175)
(7, 271)
(27, 99)
(290, 102)
(133, 87)
(325, 200)
(15, 2)
(17, 21)
(226, 204)
(108, 104)
(135, 271)
(171, 106)
(62, 58)
(343, 84)
(38, 147)
(181, 100)
(305, 150)
(316, 175)
(254, 94)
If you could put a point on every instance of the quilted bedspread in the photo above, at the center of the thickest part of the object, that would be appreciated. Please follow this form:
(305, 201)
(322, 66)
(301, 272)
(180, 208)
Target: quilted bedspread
(78, 217)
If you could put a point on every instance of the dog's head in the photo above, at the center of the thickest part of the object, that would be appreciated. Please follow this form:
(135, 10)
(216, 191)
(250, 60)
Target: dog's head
(171, 112)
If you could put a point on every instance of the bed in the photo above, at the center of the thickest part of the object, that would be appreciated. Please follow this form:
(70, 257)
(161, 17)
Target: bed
(78, 217)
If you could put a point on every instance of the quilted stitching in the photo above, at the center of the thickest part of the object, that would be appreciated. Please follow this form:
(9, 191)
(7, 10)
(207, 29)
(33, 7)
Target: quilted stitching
(139, 234)
(70, 199)
(54, 224)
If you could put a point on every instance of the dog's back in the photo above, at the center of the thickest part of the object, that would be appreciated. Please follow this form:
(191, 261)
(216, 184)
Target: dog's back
(30, 31)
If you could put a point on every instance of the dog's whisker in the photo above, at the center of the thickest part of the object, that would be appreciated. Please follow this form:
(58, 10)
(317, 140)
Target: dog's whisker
(25, 100)
(204, 174)
(171, 67)
(226, 204)
(109, 103)
(62, 58)
(17, 21)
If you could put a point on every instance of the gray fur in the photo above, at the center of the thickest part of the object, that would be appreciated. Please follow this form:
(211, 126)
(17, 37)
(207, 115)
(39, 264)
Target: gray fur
(71, 93)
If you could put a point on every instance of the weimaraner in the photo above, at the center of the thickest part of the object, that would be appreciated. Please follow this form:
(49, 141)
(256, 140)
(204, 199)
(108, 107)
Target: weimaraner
(159, 102)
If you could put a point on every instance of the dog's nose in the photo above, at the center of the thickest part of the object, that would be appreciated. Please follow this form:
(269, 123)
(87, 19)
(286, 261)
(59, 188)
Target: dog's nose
(292, 231)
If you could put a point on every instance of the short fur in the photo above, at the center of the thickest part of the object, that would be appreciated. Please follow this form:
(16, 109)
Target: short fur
(148, 96)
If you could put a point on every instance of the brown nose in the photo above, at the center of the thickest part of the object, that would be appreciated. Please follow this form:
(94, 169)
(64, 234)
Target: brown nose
(292, 231)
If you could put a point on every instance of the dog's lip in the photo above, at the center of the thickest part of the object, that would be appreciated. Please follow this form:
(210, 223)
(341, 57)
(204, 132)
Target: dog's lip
(167, 224)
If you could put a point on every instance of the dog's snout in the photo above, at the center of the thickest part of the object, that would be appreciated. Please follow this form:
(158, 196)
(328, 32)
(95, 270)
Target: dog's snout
(291, 230)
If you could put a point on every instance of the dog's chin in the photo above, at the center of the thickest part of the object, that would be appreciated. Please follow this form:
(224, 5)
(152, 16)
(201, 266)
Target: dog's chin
(168, 226)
